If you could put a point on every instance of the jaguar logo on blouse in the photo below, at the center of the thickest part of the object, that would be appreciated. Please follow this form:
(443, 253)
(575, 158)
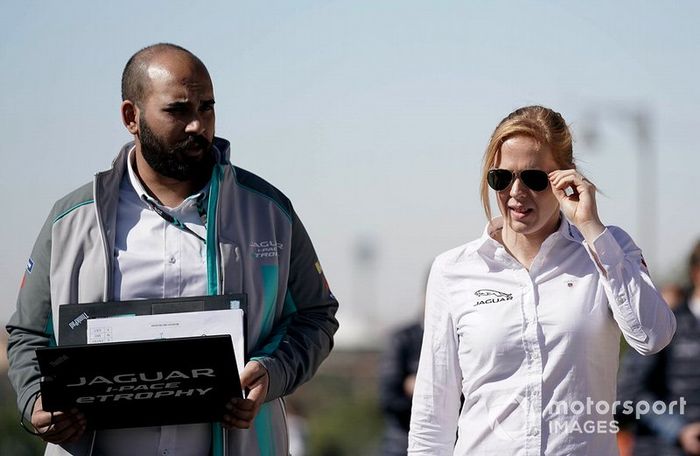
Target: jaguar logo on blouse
(488, 296)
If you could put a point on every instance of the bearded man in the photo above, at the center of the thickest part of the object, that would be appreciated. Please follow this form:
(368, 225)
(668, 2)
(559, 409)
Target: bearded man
(174, 218)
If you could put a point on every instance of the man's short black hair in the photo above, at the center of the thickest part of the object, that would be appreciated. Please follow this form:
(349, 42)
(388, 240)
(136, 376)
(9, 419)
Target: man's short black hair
(134, 76)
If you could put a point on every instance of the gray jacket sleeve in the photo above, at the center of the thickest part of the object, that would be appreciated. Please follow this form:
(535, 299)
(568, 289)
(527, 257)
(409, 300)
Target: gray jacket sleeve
(30, 327)
(303, 337)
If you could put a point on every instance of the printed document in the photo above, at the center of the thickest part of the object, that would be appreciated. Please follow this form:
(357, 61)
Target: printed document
(171, 325)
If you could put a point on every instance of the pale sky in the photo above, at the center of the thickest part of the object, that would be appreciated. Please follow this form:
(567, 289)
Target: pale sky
(371, 116)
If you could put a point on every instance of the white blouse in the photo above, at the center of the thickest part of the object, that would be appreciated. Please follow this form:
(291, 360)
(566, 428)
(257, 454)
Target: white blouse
(534, 354)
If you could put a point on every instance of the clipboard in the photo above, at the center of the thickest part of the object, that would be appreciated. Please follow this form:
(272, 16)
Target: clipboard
(72, 327)
(144, 383)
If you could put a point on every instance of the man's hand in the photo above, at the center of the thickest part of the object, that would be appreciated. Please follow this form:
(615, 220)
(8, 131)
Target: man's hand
(255, 381)
(59, 427)
(689, 438)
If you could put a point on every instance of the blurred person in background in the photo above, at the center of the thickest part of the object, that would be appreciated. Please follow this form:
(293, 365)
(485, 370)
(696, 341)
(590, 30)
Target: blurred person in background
(673, 294)
(397, 377)
(525, 321)
(672, 375)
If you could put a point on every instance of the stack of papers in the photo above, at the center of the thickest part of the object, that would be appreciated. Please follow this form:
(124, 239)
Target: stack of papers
(169, 326)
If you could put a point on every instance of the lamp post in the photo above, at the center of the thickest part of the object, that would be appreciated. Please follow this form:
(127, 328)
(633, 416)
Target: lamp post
(640, 121)
(365, 257)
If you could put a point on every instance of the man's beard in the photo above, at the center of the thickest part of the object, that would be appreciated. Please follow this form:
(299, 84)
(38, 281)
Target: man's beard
(173, 161)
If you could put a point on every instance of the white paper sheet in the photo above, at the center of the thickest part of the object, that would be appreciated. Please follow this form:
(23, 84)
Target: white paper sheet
(171, 325)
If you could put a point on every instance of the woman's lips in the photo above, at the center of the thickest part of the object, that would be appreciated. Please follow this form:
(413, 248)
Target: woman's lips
(519, 213)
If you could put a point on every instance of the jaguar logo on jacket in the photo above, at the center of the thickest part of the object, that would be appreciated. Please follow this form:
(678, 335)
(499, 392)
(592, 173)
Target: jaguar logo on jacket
(265, 249)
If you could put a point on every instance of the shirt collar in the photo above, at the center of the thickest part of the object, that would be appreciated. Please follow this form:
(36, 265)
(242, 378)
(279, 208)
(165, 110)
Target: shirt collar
(192, 200)
(489, 246)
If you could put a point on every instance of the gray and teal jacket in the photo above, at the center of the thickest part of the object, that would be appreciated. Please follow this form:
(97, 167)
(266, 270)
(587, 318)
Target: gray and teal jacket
(256, 245)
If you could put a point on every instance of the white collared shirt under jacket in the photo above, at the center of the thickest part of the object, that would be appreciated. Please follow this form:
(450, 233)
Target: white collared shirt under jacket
(533, 353)
(155, 259)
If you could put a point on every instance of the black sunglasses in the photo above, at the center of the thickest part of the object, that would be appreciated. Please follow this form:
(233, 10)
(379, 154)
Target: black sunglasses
(501, 179)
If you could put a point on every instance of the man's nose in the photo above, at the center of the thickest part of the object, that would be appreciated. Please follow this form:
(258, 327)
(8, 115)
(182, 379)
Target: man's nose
(195, 126)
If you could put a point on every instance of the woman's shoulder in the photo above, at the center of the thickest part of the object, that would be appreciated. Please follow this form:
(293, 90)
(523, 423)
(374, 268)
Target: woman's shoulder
(460, 254)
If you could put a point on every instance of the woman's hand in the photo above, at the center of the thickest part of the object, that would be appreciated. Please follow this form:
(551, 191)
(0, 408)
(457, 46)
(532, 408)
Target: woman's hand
(580, 206)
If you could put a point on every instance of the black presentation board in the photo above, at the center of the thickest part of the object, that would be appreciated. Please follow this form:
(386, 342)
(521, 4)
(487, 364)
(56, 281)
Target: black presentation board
(144, 383)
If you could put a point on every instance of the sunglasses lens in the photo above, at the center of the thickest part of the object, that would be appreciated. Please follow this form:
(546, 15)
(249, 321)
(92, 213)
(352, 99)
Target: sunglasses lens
(535, 179)
(499, 179)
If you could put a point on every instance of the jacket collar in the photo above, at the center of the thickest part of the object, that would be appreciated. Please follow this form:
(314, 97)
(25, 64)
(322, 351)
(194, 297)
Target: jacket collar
(106, 193)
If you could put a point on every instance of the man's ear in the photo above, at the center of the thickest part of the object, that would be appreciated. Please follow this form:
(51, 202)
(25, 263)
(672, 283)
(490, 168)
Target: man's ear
(130, 116)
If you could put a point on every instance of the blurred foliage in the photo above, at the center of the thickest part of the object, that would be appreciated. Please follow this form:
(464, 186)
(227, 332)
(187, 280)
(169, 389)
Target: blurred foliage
(348, 427)
(14, 440)
(341, 406)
